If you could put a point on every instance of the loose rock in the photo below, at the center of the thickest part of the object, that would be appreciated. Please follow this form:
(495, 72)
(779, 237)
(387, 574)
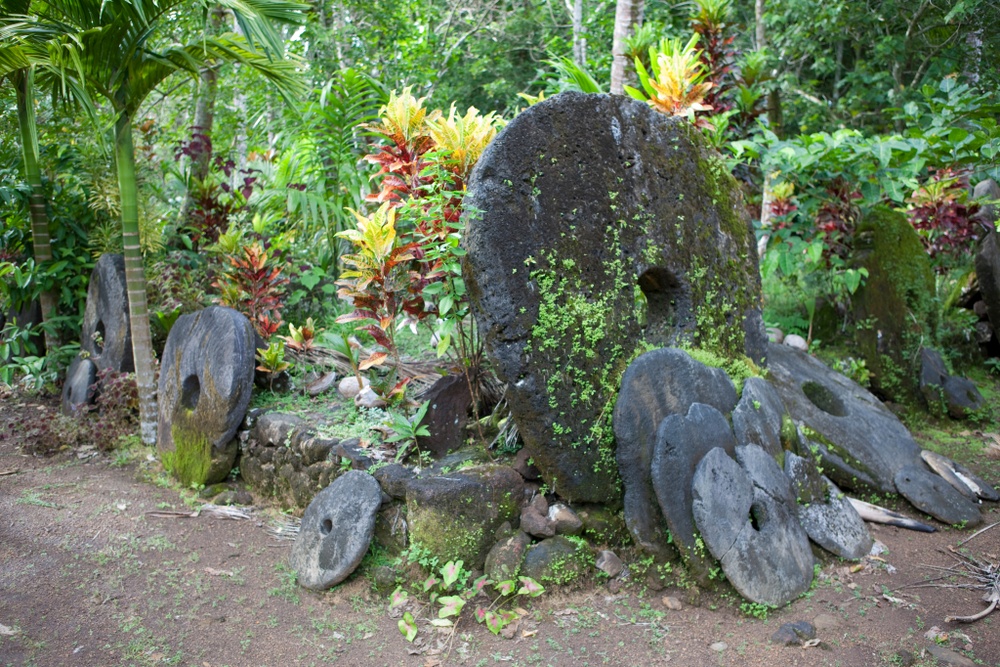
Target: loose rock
(564, 520)
(78, 391)
(932, 494)
(794, 634)
(609, 563)
(504, 560)
(107, 335)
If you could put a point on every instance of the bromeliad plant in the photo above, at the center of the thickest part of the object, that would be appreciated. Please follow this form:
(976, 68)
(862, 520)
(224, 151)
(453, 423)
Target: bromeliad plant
(677, 82)
(450, 594)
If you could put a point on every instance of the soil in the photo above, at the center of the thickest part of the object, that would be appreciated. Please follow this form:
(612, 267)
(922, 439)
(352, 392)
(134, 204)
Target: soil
(90, 574)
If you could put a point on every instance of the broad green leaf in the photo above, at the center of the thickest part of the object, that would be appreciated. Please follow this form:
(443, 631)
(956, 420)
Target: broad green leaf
(408, 627)
(451, 605)
(451, 569)
(506, 587)
(398, 597)
(530, 587)
(494, 622)
(442, 622)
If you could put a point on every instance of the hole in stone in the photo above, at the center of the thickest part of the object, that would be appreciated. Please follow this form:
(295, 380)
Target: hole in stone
(326, 526)
(758, 515)
(98, 337)
(824, 399)
(190, 392)
(656, 299)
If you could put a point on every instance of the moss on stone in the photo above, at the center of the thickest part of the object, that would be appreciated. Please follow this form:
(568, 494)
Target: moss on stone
(895, 308)
(191, 460)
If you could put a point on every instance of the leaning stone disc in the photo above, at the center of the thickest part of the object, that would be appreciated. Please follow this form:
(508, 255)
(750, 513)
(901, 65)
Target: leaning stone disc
(106, 334)
(930, 493)
(861, 444)
(206, 380)
(336, 530)
(597, 227)
(745, 512)
(757, 417)
(78, 390)
(825, 512)
(656, 385)
(681, 442)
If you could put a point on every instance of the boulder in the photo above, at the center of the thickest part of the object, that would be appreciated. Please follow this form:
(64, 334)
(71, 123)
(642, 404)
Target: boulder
(78, 391)
(944, 393)
(681, 442)
(860, 443)
(988, 193)
(656, 385)
(455, 516)
(107, 335)
(448, 413)
(598, 227)
(987, 264)
(336, 530)
(825, 513)
(504, 560)
(895, 303)
(930, 493)
(758, 417)
(747, 518)
(206, 380)
(556, 560)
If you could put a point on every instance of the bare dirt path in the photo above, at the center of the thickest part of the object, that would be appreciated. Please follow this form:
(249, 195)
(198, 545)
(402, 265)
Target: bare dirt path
(89, 577)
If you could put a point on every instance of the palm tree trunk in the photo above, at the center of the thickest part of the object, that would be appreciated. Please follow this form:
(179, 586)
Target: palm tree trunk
(135, 280)
(628, 14)
(24, 81)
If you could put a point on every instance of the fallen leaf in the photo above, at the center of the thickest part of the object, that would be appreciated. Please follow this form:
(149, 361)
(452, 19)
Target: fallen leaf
(529, 633)
(218, 573)
(811, 643)
(521, 611)
(7, 632)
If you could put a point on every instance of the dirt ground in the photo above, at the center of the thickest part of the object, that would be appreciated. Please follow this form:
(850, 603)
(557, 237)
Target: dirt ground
(90, 576)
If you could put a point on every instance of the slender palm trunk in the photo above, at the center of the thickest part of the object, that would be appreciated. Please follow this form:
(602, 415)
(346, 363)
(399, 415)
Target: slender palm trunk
(135, 280)
(628, 15)
(24, 81)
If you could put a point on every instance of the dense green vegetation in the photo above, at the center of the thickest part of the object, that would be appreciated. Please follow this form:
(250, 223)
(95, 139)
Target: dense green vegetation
(265, 153)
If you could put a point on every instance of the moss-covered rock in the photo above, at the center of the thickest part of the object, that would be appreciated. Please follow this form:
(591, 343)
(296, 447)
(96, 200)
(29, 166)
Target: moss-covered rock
(894, 310)
(456, 516)
(597, 230)
(557, 560)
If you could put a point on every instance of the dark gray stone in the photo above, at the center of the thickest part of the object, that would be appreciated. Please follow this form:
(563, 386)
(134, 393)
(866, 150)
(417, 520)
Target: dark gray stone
(78, 391)
(504, 560)
(794, 634)
(609, 563)
(988, 192)
(204, 390)
(278, 429)
(861, 444)
(447, 415)
(827, 516)
(603, 228)
(322, 384)
(556, 560)
(757, 417)
(393, 479)
(656, 385)
(456, 516)
(681, 442)
(958, 396)
(930, 493)
(106, 334)
(745, 512)
(536, 524)
(564, 520)
(985, 490)
(987, 264)
(336, 530)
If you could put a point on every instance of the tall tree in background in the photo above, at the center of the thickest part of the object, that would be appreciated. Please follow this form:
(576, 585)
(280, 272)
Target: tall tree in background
(109, 46)
(628, 16)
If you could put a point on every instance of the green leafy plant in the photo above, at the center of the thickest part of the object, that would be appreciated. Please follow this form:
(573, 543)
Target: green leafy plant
(407, 430)
(272, 358)
(252, 284)
(449, 594)
(676, 83)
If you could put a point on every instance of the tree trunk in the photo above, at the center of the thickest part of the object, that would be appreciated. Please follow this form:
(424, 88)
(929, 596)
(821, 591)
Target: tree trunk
(135, 280)
(761, 37)
(579, 43)
(628, 15)
(24, 82)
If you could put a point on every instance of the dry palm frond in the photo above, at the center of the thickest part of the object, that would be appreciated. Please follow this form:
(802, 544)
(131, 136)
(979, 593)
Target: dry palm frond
(285, 528)
(215, 511)
(975, 575)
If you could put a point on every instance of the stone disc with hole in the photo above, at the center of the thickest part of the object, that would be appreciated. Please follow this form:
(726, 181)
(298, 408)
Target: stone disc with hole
(861, 444)
(825, 513)
(206, 380)
(78, 390)
(106, 335)
(930, 493)
(747, 518)
(681, 442)
(656, 385)
(336, 530)
(596, 229)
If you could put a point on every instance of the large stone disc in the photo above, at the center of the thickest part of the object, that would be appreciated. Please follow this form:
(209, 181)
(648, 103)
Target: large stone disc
(932, 494)
(107, 335)
(598, 227)
(746, 514)
(206, 380)
(681, 442)
(336, 530)
(656, 385)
